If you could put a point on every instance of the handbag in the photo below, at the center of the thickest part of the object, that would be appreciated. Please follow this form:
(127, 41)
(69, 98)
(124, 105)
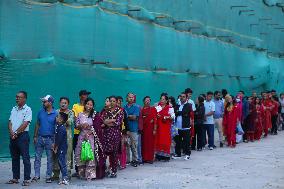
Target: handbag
(87, 153)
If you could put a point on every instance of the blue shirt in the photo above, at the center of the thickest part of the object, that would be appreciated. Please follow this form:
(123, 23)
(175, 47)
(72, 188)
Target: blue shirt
(46, 122)
(219, 109)
(132, 110)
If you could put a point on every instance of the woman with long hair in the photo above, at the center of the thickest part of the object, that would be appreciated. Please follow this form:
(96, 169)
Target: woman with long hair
(199, 116)
(258, 118)
(84, 123)
(112, 120)
(250, 120)
(148, 120)
(165, 117)
(230, 120)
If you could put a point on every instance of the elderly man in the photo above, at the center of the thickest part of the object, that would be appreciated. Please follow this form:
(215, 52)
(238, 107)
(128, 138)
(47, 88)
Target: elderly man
(19, 121)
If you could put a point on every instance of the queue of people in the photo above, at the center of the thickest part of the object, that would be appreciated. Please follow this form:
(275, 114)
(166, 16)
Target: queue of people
(119, 135)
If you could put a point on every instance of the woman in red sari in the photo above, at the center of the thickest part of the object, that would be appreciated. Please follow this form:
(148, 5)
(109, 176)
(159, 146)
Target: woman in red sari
(258, 118)
(165, 116)
(230, 121)
(148, 120)
(268, 106)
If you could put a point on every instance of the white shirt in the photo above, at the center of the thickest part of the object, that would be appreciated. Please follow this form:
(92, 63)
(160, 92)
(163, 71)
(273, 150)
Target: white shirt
(171, 111)
(282, 105)
(179, 119)
(209, 107)
(190, 102)
(19, 116)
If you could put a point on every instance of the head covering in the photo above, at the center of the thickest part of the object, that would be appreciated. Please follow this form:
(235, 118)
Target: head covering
(84, 92)
(48, 98)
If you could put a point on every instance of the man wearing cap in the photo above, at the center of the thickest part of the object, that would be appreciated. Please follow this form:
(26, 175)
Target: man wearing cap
(78, 108)
(19, 121)
(44, 136)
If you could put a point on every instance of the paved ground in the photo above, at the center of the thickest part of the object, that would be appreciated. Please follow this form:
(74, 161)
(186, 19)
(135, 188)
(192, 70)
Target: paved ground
(254, 165)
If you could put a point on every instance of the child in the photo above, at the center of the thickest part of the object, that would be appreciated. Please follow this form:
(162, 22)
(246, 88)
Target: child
(60, 145)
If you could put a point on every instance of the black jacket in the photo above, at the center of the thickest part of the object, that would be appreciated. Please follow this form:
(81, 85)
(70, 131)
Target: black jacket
(185, 113)
(199, 114)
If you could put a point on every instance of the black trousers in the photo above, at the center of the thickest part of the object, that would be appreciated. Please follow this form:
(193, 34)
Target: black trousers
(274, 124)
(75, 141)
(183, 142)
(20, 147)
(200, 134)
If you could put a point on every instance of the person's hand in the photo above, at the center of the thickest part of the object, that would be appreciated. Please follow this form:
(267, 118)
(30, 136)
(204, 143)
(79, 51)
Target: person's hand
(152, 121)
(112, 120)
(14, 136)
(85, 125)
(55, 149)
(154, 132)
(35, 139)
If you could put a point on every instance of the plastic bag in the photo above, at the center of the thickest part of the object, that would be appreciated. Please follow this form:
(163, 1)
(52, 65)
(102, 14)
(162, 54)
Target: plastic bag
(239, 129)
(87, 153)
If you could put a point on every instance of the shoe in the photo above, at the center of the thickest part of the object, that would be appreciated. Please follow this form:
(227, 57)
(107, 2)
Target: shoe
(214, 146)
(35, 179)
(113, 175)
(26, 183)
(13, 181)
(134, 164)
(48, 180)
(199, 149)
(75, 175)
(176, 156)
(221, 145)
(187, 157)
(211, 148)
(64, 181)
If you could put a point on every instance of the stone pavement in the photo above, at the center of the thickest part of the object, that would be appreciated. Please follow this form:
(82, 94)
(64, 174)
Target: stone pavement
(257, 165)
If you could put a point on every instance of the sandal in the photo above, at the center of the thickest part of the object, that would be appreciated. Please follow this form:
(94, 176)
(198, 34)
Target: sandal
(13, 181)
(35, 179)
(26, 183)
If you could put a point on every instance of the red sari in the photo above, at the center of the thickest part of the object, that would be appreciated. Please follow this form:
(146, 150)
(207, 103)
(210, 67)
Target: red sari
(148, 120)
(163, 135)
(258, 121)
(268, 105)
(230, 124)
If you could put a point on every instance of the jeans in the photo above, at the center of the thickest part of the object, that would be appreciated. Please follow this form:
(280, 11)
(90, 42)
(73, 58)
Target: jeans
(139, 149)
(133, 137)
(43, 143)
(20, 147)
(61, 156)
(209, 128)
